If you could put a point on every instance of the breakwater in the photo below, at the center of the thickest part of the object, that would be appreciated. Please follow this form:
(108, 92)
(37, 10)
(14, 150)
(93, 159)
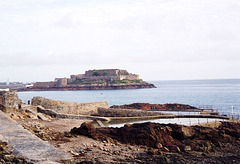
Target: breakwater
(69, 116)
(66, 107)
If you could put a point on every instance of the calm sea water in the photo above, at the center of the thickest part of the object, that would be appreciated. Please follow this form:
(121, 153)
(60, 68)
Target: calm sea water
(182, 121)
(221, 94)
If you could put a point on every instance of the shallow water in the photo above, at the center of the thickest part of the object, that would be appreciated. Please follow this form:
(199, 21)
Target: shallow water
(181, 121)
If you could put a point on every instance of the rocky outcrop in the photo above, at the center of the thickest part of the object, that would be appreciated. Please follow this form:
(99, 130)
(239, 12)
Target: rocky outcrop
(157, 107)
(170, 137)
(66, 107)
(7, 156)
(9, 100)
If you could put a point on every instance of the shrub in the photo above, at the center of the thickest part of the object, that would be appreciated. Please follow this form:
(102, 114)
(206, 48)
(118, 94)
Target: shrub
(95, 73)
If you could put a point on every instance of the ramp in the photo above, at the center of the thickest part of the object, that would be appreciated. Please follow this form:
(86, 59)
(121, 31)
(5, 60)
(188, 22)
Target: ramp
(27, 144)
(100, 123)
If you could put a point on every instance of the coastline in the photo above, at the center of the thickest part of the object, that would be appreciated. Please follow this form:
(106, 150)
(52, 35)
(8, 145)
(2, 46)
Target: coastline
(90, 87)
(136, 143)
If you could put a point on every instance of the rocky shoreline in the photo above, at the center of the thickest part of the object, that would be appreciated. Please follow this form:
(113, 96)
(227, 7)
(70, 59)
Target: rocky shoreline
(183, 144)
(90, 87)
(137, 143)
(218, 142)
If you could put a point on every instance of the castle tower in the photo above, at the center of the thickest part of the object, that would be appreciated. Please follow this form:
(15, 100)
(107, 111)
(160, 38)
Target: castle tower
(62, 82)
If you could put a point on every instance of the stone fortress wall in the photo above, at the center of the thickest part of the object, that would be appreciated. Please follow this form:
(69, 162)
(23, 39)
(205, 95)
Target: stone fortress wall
(46, 84)
(111, 74)
(66, 107)
(90, 75)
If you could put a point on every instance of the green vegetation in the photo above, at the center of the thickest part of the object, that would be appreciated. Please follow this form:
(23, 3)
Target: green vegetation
(116, 82)
(104, 73)
(125, 81)
(95, 73)
(94, 82)
(138, 81)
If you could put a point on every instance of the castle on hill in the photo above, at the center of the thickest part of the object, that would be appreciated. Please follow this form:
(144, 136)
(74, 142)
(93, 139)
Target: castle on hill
(91, 77)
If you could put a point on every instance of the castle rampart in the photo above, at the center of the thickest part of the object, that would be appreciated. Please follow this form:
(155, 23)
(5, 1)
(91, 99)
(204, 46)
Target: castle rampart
(46, 84)
(104, 72)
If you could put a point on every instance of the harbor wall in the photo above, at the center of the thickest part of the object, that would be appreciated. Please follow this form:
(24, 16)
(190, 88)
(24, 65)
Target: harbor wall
(66, 107)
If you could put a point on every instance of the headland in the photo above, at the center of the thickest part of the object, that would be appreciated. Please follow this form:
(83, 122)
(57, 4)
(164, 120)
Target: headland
(104, 79)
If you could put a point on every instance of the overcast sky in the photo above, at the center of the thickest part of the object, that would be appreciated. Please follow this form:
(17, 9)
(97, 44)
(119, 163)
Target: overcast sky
(157, 39)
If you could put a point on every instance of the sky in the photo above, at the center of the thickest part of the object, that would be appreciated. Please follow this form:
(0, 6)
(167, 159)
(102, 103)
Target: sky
(157, 39)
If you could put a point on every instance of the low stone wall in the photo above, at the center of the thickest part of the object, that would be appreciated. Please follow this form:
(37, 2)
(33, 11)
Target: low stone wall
(117, 112)
(69, 107)
(54, 114)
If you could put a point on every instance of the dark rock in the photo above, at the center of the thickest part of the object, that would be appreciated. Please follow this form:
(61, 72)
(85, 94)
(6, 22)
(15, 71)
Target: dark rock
(152, 151)
(85, 129)
(170, 137)
(166, 107)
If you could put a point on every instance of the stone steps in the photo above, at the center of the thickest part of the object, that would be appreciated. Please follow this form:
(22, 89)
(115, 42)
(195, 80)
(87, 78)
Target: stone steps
(27, 144)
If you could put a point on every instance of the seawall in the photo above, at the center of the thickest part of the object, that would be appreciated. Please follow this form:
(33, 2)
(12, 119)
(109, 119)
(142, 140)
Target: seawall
(66, 107)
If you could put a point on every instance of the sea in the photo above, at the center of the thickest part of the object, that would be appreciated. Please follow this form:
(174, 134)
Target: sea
(222, 95)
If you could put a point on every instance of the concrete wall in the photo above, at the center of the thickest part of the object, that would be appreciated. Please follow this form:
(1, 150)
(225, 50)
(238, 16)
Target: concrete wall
(69, 107)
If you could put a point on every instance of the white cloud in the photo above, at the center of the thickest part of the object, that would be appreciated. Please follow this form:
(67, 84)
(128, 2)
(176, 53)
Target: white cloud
(125, 34)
